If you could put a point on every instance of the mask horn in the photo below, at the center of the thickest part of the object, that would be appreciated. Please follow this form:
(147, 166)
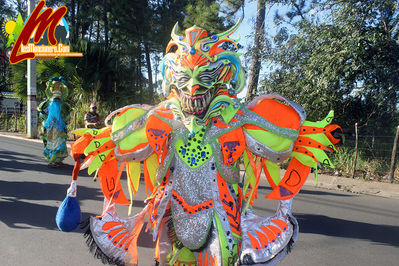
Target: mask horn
(230, 31)
(174, 35)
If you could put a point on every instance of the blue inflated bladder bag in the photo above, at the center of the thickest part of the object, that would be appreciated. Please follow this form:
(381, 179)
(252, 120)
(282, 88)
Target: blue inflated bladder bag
(68, 215)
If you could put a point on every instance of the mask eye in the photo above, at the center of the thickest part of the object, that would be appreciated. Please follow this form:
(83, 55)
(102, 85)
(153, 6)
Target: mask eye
(206, 78)
(182, 79)
(210, 75)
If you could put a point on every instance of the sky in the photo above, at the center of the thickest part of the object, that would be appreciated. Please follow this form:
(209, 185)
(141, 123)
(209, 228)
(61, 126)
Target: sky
(246, 31)
(245, 34)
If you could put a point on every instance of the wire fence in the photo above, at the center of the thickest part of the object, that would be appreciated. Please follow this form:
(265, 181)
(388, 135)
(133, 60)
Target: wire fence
(370, 156)
(372, 147)
(13, 119)
(374, 151)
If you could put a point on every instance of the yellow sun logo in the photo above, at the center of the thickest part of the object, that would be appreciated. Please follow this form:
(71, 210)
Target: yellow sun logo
(8, 26)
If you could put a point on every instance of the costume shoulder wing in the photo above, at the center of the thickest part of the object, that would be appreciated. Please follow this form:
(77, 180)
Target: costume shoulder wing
(126, 142)
(282, 134)
(274, 127)
(309, 151)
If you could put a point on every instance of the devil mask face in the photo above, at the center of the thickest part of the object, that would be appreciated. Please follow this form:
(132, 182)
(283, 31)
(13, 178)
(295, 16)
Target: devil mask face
(197, 70)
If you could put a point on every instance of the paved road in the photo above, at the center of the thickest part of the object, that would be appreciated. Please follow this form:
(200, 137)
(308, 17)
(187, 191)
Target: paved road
(336, 228)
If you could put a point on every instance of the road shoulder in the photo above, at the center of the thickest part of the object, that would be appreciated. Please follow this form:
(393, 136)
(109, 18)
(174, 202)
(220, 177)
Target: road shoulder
(359, 186)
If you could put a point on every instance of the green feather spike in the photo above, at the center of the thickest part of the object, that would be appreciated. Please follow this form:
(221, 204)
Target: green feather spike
(304, 159)
(321, 157)
(81, 131)
(250, 175)
(98, 161)
(228, 113)
(274, 171)
(326, 121)
(95, 144)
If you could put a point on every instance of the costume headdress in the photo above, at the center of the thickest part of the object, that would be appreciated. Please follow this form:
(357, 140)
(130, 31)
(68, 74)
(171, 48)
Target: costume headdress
(198, 59)
(57, 86)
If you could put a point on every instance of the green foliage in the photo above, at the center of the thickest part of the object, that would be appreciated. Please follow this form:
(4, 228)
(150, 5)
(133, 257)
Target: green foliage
(204, 14)
(366, 167)
(5, 13)
(118, 40)
(10, 124)
(341, 55)
(19, 80)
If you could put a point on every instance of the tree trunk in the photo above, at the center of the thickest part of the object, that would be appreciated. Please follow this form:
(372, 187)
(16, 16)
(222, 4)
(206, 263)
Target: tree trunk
(73, 22)
(140, 84)
(77, 25)
(149, 71)
(257, 49)
(98, 31)
(105, 18)
(90, 31)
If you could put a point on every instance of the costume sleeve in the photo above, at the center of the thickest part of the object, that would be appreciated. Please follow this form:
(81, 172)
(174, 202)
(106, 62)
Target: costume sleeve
(309, 151)
(128, 140)
(287, 136)
(42, 108)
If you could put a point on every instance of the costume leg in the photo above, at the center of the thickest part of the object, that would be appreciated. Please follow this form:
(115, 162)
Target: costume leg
(216, 251)
(267, 240)
(113, 239)
(211, 253)
(163, 247)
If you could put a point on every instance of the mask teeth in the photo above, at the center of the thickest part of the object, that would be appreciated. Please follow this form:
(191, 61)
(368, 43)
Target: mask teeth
(195, 104)
(202, 103)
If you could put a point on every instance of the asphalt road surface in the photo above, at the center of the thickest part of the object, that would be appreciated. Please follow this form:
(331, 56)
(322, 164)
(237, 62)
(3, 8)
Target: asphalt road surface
(336, 228)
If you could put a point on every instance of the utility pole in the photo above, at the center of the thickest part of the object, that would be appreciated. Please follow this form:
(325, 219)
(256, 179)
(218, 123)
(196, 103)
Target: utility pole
(31, 108)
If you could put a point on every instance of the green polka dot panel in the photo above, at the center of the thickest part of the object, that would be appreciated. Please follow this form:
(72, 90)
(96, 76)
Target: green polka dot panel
(193, 151)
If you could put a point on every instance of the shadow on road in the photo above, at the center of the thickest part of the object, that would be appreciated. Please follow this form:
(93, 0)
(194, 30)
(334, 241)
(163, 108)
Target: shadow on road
(324, 225)
(19, 212)
(34, 204)
(16, 206)
(16, 155)
(267, 190)
(145, 238)
(21, 190)
(19, 162)
(321, 193)
(24, 215)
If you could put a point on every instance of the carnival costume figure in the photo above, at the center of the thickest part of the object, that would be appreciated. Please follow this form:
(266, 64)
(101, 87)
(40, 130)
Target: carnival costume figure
(191, 147)
(54, 112)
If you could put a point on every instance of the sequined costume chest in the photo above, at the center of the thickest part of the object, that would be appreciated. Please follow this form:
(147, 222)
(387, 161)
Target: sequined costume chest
(192, 190)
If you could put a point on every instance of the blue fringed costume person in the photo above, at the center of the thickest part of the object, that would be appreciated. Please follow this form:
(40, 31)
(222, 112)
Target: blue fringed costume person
(55, 115)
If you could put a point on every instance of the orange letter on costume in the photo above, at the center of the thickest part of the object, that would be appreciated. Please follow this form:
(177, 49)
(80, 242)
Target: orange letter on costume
(39, 22)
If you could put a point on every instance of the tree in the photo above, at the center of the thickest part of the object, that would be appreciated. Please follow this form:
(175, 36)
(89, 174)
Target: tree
(344, 56)
(119, 40)
(5, 72)
(257, 50)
